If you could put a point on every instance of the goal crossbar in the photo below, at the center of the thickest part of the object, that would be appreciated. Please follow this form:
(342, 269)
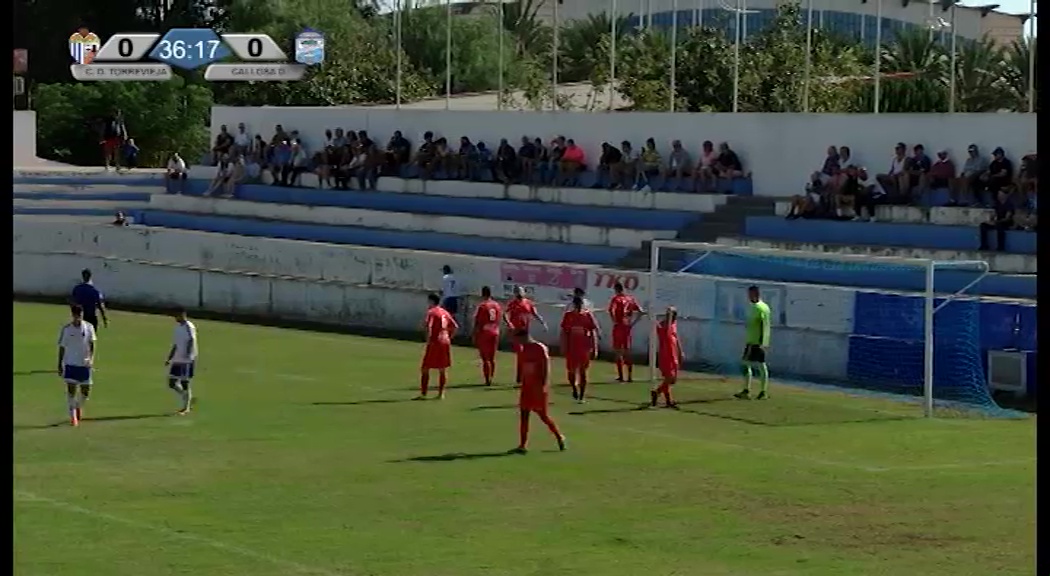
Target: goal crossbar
(928, 265)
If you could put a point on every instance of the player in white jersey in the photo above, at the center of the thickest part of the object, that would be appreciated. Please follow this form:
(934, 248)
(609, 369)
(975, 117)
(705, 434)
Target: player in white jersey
(76, 355)
(181, 359)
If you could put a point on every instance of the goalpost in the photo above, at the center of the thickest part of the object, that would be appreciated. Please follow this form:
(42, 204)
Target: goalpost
(887, 324)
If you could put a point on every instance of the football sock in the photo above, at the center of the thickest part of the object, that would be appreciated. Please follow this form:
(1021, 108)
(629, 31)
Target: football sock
(583, 385)
(424, 383)
(187, 396)
(523, 430)
(619, 367)
(572, 379)
(71, 403)
(747, 376)
(630, 367)
(763, 376)
(550, 425)
(667, 393)
(442, 381)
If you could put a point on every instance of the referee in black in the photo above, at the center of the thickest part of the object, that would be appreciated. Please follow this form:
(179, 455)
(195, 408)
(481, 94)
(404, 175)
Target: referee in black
(90, 300)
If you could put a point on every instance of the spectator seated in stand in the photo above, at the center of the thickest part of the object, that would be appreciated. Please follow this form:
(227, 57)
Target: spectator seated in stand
(130, 153)
(465, 162)
(1000, 174)
(679, 166)
(918, 178)
(1000, 220)
(543, 159)
(343, 167)
(397, 155)
(939, 179)
(650, 166)
(120, 220)
(608, 166)
(222, 177)
(175, 174)
(527, 156)
(867, 193)
(297, 164)
(629, 162)
(966, 188)
(573, 163)
(426, 156)
(815, 203)
(828, 175)
(223, 144)
(704, 178)
(552, 169)
(506, 163)
(1028, 177)
(728, 165)
(895, 181)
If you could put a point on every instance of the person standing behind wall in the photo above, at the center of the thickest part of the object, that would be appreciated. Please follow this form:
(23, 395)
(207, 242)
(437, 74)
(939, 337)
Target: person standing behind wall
(449, 291)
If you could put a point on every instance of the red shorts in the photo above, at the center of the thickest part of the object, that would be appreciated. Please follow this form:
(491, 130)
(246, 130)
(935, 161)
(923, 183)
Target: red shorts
(668, 370)
(574, 362)
(534, 401)
(110, 144)
(621, 337)
(437, 356)
(487, 344)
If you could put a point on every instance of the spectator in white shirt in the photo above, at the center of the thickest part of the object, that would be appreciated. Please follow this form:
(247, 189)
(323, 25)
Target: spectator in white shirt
(449, 291)
(704, 172)
(628, 171)
(894, 181)
(242, 142)
(176, 173)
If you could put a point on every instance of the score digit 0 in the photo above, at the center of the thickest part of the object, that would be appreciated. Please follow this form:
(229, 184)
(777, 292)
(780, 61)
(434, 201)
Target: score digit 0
(126, 47)
(255, 47)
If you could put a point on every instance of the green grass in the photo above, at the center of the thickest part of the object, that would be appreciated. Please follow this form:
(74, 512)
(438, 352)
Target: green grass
(304, 457)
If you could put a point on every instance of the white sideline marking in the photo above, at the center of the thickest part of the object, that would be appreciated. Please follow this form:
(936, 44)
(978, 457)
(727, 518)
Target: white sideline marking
(218, 545)
(718, 443)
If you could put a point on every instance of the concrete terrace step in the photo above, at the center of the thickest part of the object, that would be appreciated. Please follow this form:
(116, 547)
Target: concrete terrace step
(965, 238)
(683, 201)
(88, 193)
(412, 222)
(501, 210)
(997, 261)
(80, 208)
(100, 179)
(941, 215)
(434, 242)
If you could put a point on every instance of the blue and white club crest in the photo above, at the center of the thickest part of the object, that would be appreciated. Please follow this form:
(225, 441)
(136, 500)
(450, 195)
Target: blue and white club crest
(309, 47)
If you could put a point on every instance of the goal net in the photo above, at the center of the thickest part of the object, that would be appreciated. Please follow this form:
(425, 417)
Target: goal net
(903, 326)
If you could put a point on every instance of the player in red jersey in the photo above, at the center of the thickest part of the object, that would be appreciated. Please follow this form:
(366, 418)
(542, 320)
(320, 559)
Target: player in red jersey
(440, 326)
(535, 388)
(486, 333)
(624, 312)
(668, 356)
(579, 343)
(519, 314)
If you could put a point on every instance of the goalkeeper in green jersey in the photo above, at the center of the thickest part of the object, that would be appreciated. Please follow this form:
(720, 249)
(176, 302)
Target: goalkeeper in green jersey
(756, 345)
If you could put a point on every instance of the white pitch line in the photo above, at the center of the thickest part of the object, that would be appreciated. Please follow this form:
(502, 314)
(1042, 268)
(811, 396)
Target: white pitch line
(218, 545)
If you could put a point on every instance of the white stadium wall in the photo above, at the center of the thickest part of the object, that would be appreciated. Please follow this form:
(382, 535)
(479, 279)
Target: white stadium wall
(780, 150)
(24, 137)
(383, 288)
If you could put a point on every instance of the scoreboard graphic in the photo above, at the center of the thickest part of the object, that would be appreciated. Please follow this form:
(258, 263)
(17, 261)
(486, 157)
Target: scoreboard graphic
(132, 56)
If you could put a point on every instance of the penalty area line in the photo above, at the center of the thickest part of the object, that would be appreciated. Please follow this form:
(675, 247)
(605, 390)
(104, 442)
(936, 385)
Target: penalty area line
(23, 496)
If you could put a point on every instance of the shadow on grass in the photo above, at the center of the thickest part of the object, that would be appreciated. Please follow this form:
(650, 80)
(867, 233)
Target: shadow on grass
(18, 373)
(461, 387)
(495, 407)
(365, 402)
(98, 419)
(454, 456)
(697, 406)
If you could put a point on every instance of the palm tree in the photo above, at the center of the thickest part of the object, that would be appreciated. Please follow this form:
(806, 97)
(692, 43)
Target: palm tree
(584, 45)
(1014, 70)
(979, 85)
(531, 36)
(914, 51)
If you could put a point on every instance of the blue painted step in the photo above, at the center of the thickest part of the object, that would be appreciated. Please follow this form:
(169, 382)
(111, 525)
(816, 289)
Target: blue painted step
(550, 251)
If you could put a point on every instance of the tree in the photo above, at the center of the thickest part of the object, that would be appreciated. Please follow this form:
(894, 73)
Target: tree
(360, 57)
(162, 117)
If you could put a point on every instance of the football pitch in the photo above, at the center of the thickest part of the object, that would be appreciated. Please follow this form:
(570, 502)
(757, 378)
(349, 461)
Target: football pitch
(305, 456)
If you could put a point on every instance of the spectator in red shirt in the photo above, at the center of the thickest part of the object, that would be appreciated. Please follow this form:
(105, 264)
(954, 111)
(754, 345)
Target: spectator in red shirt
(573, 162)
(942, 172)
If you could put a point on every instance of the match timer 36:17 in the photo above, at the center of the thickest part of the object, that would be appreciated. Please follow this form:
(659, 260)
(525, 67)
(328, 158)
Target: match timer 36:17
(120, 58)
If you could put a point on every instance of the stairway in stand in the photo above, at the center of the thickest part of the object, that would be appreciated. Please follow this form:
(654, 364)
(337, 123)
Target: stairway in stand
(726, 220)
